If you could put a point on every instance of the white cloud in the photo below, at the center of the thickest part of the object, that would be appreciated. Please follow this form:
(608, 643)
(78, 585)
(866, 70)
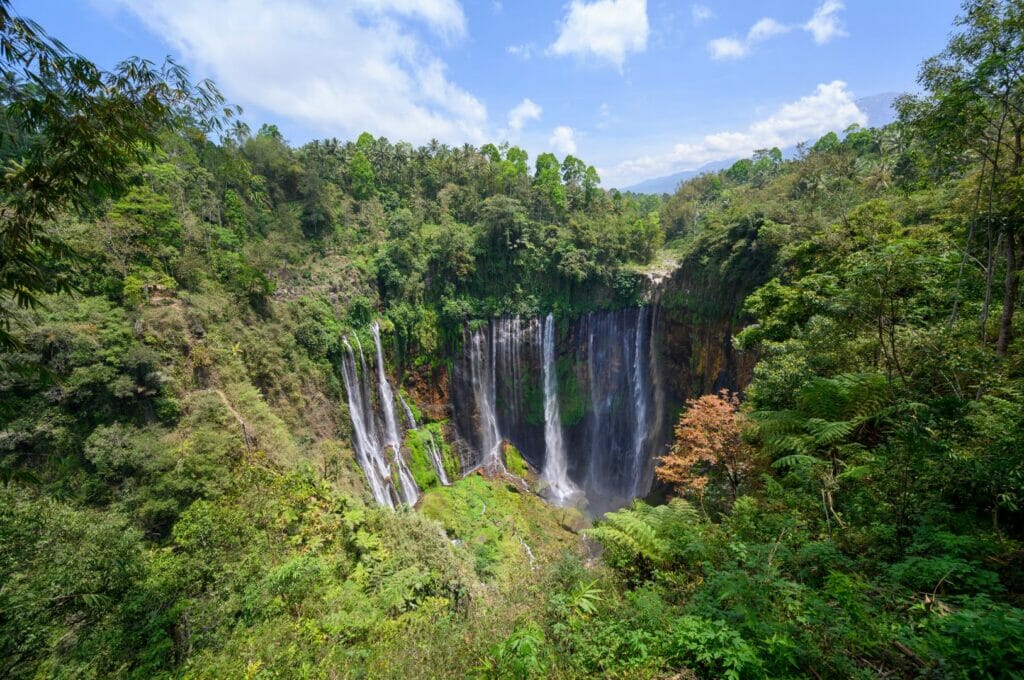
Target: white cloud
(525, 111)
(727, 48)
(524, 51)
(606, 29)
(733, 48)
(339, 68)
(444, 16)
(766, 28)
(825, 25)
(701, 13)
(563, 140)
(831, 107)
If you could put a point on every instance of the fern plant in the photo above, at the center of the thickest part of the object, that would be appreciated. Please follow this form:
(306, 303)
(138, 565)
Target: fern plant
(521, 655)
(824, 435)
(650, 537)
(584, 599)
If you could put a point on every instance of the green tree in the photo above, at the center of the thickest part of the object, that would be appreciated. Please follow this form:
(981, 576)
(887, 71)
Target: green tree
(361, 178)
(591, 181)
(70, 131)
(548, 181)
(271, 158)
(975, 106)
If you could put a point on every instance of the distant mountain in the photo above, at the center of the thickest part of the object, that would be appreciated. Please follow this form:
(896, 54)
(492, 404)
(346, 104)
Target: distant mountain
(878, 108)
(669, 183)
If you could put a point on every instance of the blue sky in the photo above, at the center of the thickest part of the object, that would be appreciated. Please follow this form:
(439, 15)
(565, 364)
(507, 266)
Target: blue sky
(638, 88)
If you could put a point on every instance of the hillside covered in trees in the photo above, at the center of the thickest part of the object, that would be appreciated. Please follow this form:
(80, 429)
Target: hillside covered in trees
(180, 490)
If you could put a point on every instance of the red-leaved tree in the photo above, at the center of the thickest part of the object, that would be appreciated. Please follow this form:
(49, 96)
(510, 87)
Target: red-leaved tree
(708, 444)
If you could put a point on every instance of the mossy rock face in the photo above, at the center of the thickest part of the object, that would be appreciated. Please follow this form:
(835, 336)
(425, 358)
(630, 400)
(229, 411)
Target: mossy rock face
(533, 401)
(494, 524)
(572, 396)
(413, 406)
(514, 462)
(422, 468)
(449, 459)
(572, 399)
(572, 519)
(417, 444)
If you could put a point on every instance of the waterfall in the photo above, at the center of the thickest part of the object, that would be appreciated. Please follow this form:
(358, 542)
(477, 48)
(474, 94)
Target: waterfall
(409, 491)
(387, 398)
(594, 428)
(435, 459)
(657, 389)
(378, 449)
(484, 385)
(364, 429)
(410, 419)
(556, 472)
(639, 401)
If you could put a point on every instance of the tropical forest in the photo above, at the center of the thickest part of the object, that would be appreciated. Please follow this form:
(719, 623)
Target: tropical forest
(357, 407)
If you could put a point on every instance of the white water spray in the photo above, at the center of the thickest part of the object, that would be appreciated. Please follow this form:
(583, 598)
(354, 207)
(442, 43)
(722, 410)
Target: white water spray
(368, 450)
(639, 400)
(556, 472)
(482, 375)
(409, 491)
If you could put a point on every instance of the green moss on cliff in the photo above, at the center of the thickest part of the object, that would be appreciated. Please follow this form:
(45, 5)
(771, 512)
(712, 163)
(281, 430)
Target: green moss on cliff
(450, 461)
(418, 443)
(533, 400)
(507, 532)
(572, 401)
(514, 462)
(422, 468)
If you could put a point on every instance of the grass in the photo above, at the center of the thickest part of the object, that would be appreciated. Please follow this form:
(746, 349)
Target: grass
(496, 523)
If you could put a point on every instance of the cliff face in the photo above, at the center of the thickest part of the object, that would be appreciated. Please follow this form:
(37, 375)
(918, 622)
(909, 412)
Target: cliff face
(697, 348)
(581, 399)
(688, 330)
(701, 303)
(428, 385)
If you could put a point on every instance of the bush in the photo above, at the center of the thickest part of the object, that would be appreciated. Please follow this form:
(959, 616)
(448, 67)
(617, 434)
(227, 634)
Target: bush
(713, 647)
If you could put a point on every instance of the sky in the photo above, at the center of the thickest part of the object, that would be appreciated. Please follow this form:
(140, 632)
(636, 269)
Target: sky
(638, 88)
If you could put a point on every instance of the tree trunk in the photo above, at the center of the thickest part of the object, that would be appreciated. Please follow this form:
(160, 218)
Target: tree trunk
(1010, 288)
(990, 275)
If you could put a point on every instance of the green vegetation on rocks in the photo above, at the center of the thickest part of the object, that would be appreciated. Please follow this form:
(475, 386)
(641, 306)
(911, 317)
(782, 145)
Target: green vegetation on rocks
(178, 491)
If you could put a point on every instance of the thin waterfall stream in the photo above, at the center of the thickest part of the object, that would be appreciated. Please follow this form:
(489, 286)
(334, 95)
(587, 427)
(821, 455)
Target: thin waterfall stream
(556, 472)
(369, 454)
(407, 487)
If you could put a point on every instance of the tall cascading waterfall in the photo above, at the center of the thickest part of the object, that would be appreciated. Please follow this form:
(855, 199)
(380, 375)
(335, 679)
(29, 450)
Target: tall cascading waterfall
(640, 395)
(556, 471)
(484, 384)
(409, 490)
(625, 421)
(376, 435)
(369, 452)
(600, 419)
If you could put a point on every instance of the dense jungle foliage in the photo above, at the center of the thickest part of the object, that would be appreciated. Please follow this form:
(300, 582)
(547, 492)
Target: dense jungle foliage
(179, 496)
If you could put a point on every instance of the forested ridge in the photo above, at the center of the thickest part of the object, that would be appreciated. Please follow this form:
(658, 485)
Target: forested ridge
(179, 495)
